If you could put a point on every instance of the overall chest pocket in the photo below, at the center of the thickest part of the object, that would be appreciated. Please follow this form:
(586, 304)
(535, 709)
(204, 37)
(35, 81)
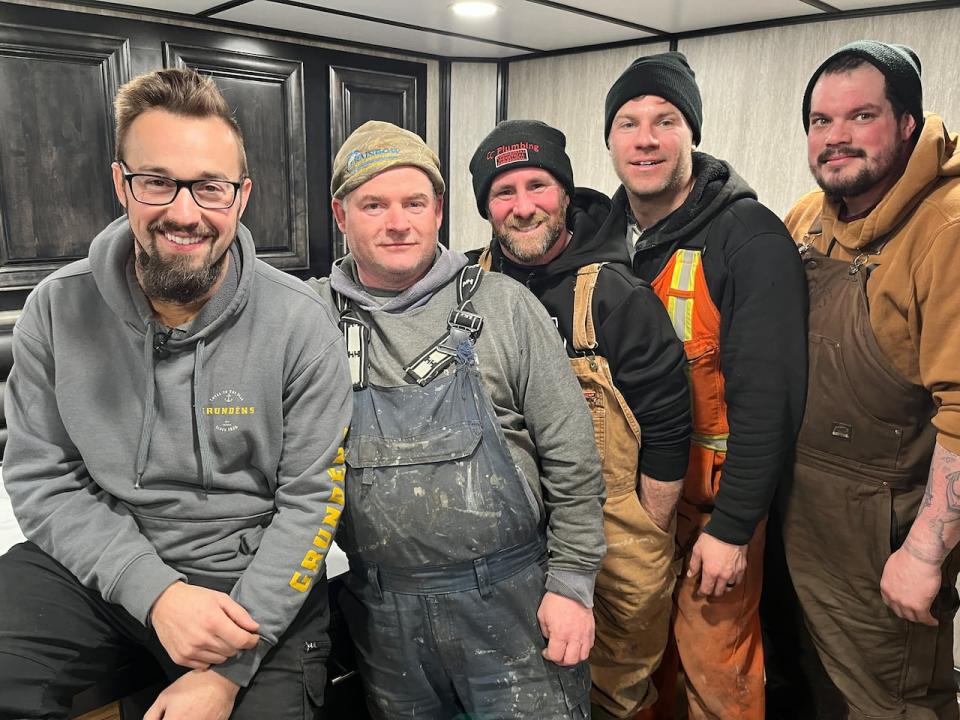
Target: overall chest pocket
(837, 421)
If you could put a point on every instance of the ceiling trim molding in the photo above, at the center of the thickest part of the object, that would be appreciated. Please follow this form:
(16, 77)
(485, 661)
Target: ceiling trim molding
(821, 6)
(591, 48)
(221, 8)
(822, 17)
(598, 16)
(744, 27)
(397, 23)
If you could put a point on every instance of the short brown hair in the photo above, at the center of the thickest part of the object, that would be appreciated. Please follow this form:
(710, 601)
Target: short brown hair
(178, 91)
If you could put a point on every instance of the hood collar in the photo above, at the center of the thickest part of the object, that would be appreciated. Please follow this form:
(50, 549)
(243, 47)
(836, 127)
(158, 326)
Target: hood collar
(446, 265)
(111, 262)
(717, 185)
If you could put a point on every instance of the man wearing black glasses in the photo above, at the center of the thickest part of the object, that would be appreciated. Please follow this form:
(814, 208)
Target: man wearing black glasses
(176, 414)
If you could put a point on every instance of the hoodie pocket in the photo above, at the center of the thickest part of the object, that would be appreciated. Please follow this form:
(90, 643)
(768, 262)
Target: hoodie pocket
(222, 544)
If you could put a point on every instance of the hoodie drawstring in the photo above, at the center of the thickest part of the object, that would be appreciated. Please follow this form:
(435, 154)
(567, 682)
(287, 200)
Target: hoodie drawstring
(150, 410)
(203, 440)
(149, 403)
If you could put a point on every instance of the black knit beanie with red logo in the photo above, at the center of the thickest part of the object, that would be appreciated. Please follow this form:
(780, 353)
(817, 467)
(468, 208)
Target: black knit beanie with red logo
(515, 144)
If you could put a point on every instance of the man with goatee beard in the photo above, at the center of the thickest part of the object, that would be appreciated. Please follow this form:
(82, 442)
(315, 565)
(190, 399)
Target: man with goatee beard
(872, 520)
(725, 269)
(176, 412)
(630, 364)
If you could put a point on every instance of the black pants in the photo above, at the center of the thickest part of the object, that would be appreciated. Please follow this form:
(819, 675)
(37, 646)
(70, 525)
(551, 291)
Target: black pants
(797, 688)
(58, 638)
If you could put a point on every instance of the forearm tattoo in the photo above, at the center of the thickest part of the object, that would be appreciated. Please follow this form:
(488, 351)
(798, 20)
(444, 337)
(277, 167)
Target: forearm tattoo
(937, 529)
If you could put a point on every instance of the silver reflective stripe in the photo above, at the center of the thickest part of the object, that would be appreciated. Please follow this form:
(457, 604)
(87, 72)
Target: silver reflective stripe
(679, 316)
(711, 442)
(688, 261)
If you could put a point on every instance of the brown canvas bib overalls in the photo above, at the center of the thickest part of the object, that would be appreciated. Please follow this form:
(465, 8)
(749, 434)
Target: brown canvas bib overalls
(632, 600)
(863, 456)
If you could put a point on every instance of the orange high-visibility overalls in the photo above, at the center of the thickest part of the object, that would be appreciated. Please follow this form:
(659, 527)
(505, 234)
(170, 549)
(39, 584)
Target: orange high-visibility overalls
(717, 638)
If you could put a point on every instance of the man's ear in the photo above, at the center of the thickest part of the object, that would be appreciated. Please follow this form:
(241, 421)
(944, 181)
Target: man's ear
(245, 189)
(908, 124)
(340, 214)
(118, 184)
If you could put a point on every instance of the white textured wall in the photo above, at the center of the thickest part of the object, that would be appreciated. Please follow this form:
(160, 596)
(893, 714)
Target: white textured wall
(567, 91)
(753, 82)
(752, 85)
(473, 114)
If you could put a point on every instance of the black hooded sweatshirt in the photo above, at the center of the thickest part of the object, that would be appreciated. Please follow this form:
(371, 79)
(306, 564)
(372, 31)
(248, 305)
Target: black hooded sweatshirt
(633, 330)
(756, 280)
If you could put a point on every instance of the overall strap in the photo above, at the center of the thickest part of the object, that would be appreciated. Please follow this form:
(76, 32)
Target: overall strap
(584, 333)
(816, 228)
(463, 325)
(356, 336)
(485, 260)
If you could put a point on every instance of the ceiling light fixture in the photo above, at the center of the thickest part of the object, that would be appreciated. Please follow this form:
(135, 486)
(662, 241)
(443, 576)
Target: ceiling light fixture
(474, 9)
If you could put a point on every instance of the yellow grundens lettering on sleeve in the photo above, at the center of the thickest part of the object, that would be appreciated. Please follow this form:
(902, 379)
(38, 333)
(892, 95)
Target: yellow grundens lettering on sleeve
(312, 560)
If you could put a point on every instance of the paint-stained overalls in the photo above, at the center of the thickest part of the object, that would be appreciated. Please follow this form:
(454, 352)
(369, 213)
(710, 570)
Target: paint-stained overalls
(446, 546)
(863, 457)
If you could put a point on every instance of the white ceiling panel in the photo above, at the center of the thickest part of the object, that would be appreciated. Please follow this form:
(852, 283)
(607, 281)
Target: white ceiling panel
(520, 26)
(302, 20)
(864, 4)
(676, 16)
(189, 7)
(518, 22)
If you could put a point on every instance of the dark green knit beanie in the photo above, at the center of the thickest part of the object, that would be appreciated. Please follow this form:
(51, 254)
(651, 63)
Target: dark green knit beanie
(899, 65)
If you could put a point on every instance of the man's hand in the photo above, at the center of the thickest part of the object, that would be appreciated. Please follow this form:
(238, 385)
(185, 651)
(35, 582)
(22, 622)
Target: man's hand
(568, 627)
(200, 627)
(659, 499)
(720, 565)
(909, 585)
(198, 695)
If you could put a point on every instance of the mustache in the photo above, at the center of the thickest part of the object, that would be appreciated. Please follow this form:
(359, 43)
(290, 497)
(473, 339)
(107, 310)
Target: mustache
(197, 229)
(529, 222)
(847, 150)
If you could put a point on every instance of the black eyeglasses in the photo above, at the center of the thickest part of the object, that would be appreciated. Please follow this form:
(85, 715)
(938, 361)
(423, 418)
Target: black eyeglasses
(160, 190)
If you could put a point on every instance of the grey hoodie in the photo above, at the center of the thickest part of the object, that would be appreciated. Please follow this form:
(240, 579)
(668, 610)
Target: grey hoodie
(222, 459)
(535, 394)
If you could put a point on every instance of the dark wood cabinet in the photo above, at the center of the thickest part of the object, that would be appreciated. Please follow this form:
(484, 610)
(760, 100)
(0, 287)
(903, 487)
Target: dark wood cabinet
(59, 71)
(266, 95)
(55, 145)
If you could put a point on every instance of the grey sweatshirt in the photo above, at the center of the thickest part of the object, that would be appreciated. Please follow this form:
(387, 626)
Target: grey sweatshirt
(115, 471)
(536, 397)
